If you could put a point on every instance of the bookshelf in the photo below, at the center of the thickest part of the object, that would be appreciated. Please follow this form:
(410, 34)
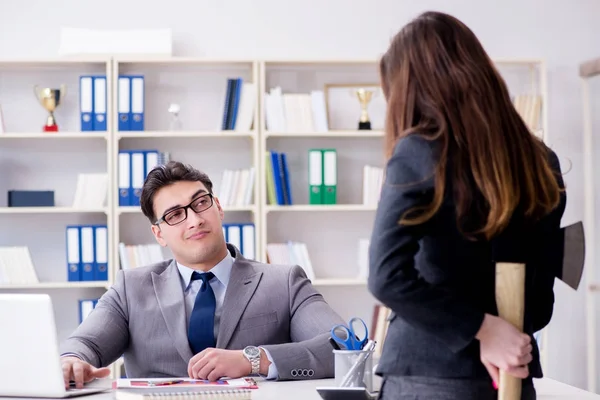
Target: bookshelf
(331, 231)
(588, 76)
(198, 86)
(35, 160)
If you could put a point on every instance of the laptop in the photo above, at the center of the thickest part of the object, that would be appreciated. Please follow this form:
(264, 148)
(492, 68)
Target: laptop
(29, 355)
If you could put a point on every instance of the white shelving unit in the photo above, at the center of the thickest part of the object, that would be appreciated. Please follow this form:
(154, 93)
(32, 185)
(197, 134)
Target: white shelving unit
(331, 231)
(199, 87)
(37, 160)
(588, 73)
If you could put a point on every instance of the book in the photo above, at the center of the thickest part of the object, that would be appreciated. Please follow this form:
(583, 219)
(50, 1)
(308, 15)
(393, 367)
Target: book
(227, 394)
(183, 388)
(184, 383)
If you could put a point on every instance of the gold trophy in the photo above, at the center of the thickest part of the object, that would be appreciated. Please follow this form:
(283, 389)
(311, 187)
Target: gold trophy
(364, 97)
(50, 99)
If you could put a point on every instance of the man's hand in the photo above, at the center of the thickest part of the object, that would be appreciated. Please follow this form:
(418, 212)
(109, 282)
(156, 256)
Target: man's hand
(502, 346)
(75, 369)
(213, 364)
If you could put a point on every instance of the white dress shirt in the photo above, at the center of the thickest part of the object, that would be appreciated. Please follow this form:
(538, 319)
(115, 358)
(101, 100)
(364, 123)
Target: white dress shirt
(219, 283)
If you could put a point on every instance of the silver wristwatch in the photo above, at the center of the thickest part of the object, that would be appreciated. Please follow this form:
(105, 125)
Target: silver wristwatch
(252, 353)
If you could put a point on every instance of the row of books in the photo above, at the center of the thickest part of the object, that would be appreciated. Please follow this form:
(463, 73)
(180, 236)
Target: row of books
(279, 190)
(296, 253)
(87, 253)
(92, 102)
(91, 191)
(372, 181)
(243, 236)
(16, 267)
(134, 256)
(86, 306)
(295, 112)
(134, 166)
(291, 253)
(239, 105)
(379, 327)
(237, 187)
(322, 176)
(130, 102)
(529, 108)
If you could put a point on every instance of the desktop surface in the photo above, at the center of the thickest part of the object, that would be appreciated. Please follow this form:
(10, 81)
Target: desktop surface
(547, 389)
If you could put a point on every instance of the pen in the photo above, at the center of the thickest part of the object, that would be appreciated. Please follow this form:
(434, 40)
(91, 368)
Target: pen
(165, 383)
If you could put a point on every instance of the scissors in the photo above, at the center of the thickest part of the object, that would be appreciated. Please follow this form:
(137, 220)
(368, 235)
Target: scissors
(349, 337)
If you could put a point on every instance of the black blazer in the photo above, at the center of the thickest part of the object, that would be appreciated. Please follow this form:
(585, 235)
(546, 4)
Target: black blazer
(439, 284)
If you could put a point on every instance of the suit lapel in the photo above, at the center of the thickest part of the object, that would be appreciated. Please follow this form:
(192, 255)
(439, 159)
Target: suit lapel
(169, 294)
(242, 285)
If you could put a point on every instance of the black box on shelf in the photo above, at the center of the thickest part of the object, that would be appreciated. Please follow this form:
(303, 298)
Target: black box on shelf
(31, 198)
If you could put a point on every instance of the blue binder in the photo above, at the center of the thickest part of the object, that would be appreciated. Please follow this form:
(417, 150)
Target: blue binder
(86, 102)
(277, 178)
(86, 244)
(73, 250)
(124, 179)
(100, 253)
(100, 103)
(137, 102)
(124, 102)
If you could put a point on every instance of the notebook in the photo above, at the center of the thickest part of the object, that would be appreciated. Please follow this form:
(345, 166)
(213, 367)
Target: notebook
(223, 394)
(184, 388)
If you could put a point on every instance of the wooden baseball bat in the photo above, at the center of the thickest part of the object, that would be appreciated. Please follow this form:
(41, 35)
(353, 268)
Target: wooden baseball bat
(510, 300)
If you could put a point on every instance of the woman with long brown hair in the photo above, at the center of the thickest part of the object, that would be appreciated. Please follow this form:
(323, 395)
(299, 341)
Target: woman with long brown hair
(463, 174)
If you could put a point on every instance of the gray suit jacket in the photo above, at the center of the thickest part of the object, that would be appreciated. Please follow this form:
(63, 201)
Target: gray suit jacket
(142, 316)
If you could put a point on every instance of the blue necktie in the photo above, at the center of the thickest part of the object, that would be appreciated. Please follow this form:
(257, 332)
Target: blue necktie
(202, 321)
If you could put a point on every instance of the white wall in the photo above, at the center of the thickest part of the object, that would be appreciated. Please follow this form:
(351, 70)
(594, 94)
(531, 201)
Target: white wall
(563, 33)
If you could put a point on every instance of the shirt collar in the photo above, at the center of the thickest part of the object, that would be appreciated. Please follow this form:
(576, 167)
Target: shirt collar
(222, 271)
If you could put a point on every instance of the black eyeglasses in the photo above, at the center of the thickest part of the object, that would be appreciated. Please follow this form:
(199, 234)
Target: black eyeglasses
(178, 215)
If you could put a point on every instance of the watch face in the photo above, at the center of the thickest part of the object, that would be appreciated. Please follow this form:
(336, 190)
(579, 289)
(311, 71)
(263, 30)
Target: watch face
(252, 351)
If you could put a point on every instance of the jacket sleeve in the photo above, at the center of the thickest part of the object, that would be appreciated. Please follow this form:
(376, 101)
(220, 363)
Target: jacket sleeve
(309, 355)
(104, 335)
(547, 258)
(393, 279)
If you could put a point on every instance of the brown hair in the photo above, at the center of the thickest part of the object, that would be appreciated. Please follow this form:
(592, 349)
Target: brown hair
(164, 175)
(440, 83)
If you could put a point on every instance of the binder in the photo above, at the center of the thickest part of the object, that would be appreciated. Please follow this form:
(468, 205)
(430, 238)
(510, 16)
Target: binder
(124, 178)
(234, 236)
(100, 104)
(236, 102)
(277, 178)
(248, 241)
(86, 102)
(329, 176)
(86, 306)
(138, 176)
(124, 103)
(285, 179)
(151, 161)
(137, 103)
(73, 253)
(315, 176)
(272, 199)
(101, 253)
(87, 253)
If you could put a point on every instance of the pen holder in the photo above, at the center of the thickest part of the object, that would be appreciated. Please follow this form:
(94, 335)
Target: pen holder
(354, 368)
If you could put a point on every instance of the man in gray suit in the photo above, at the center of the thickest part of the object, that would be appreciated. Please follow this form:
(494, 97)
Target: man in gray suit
(250, 318)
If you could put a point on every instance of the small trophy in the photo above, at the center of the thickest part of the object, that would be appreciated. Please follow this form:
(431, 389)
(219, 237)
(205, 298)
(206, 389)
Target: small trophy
(364, 97)
(175, 122)
(50, 99)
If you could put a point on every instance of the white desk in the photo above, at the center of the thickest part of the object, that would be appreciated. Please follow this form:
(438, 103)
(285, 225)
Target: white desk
(547, 389)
